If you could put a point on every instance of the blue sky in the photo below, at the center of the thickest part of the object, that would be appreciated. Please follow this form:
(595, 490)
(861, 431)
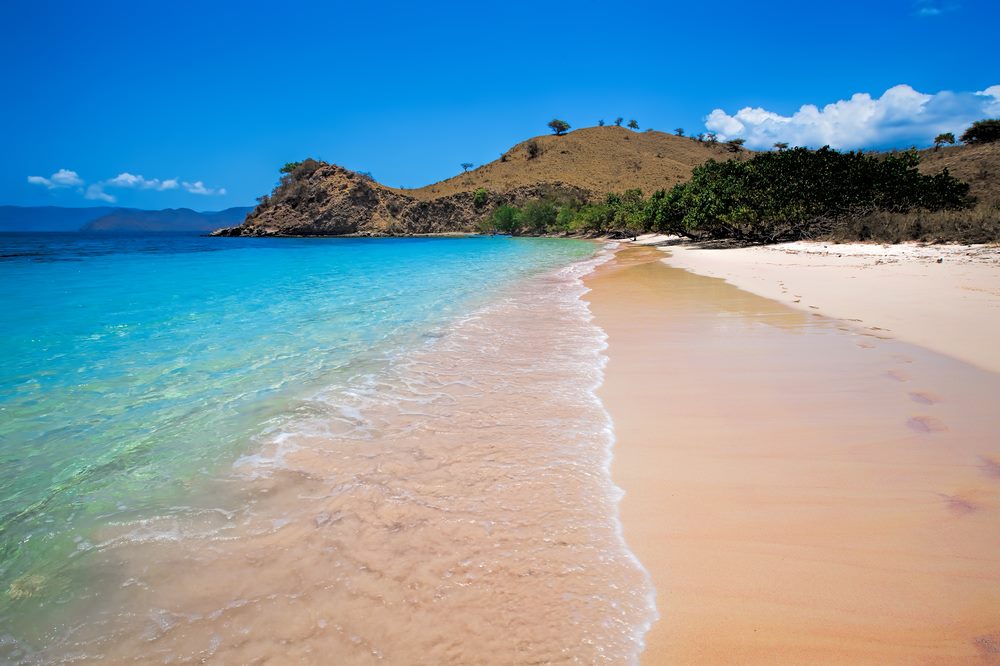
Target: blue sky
(197, 104)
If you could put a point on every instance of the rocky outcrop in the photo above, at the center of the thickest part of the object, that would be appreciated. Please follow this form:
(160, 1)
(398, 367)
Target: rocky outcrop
(320, 199)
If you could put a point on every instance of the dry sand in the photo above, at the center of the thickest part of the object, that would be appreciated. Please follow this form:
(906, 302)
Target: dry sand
(801, 491)
(952, 307)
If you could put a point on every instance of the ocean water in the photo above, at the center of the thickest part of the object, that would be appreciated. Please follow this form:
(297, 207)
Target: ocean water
(364, 450)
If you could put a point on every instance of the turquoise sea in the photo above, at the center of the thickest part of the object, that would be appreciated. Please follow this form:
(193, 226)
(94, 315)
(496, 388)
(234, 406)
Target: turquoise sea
(133, 367)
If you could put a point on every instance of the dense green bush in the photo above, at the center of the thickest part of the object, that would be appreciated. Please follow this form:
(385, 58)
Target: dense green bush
(791, 193)
(506, 220)
(538, 217)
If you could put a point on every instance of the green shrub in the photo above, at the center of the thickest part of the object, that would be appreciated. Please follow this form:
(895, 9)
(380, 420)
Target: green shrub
(507, 220)
(592, 219)
(565, 219)
(479, 198)
(537, 217)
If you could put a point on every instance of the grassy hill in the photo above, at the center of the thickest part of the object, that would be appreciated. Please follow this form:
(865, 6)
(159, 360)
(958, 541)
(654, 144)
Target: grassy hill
(597, 159)
(318, 199)
(978, 165)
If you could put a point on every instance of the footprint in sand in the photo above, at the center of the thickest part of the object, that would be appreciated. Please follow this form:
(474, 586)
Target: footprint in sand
(925, 398)
(865, 345)
(927, 424)
(899, 358)
(959, 505)
(991, 466)
(898, 375)
(988, 646)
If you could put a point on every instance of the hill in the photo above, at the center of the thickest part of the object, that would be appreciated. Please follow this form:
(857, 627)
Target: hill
(596, 159)
(585, 165)
(110, 218)
(48, 218)
(978, 165)
(168, 220)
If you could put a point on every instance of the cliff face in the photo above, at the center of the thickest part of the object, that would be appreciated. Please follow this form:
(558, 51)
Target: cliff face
(320, 199)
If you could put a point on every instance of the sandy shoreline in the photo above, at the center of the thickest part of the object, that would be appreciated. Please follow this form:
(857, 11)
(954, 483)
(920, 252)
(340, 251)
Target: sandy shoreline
(942, 297)
(801, 490)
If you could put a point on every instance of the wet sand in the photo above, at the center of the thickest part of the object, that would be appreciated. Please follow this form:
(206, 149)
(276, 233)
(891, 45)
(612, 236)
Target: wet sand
(801, 491)
(952, 307)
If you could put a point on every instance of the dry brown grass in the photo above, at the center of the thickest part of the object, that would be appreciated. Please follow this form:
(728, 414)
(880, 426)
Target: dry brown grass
(977, 225)
(597, 159)
(977, 165)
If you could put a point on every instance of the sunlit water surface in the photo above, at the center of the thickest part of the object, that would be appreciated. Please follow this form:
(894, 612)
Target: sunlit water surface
(361, 450)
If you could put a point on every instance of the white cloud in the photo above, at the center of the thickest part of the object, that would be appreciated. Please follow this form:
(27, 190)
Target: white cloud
(198, 187)
(933, 7)
(128, 180)
(61, 178)
(992, 104)
(901, 116)
(96, 192)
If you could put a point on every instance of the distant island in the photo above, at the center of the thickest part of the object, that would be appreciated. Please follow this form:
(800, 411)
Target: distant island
(114, 219)
(613, 181)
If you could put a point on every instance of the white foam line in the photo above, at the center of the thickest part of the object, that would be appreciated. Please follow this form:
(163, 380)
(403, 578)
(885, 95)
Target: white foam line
(603, 256)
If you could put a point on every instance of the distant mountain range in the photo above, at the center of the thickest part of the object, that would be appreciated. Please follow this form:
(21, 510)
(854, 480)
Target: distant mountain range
(112, 219)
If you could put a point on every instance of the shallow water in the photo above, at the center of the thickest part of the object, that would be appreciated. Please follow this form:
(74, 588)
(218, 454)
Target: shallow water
(310, 450)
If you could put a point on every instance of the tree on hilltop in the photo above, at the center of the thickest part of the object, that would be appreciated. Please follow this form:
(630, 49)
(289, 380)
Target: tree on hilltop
(558, 126)
(632, 124)
(679, 131)
(941, 139)
(982, 131)
(781, 145)
(618, 121)
(290, 167)
(466, 166)
(600, 123)
(736, 145)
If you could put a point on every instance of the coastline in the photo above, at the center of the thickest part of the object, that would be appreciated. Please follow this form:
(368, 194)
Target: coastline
(800, 490)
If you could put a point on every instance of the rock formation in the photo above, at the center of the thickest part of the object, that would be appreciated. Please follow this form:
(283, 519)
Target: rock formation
(320, 199)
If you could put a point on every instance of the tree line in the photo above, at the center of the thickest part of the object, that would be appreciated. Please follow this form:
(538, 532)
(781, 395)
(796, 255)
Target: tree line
(784, 195)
